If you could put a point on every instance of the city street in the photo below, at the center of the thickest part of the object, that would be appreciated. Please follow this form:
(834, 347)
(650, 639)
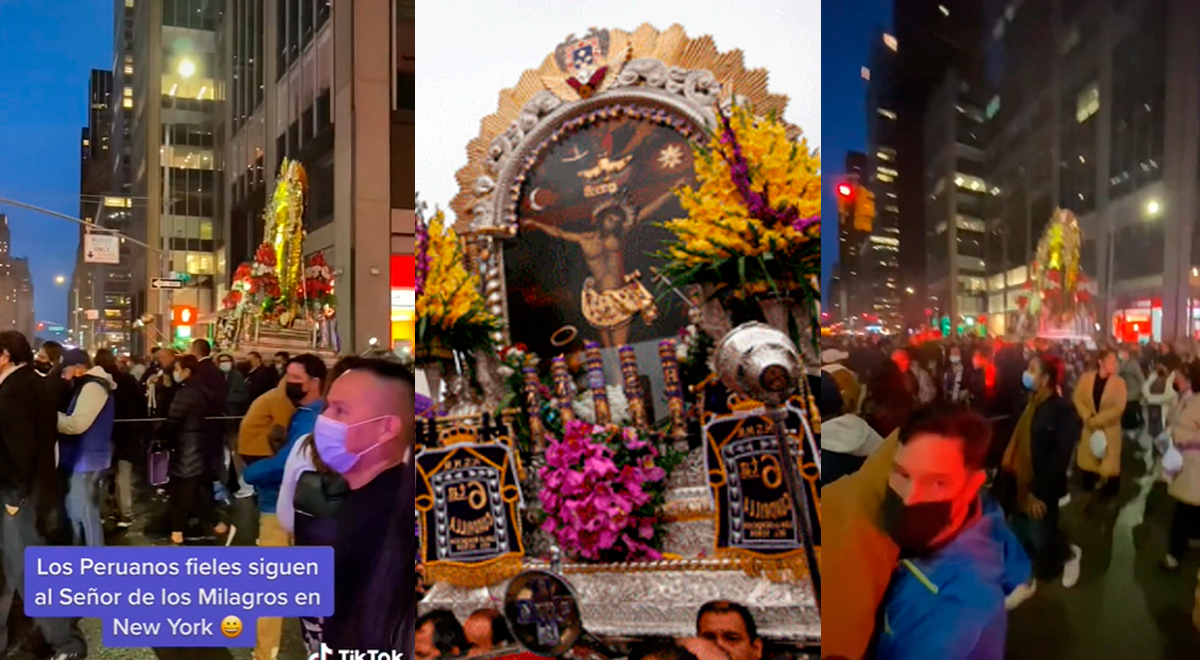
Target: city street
(1125, 607)
(149, 528)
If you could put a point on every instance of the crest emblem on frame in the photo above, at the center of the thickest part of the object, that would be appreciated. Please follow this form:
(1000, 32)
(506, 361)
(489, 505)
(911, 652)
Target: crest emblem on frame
(584, 60)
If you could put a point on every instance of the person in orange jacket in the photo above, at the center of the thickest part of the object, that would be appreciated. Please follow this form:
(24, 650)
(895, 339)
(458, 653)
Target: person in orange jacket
(264, 428)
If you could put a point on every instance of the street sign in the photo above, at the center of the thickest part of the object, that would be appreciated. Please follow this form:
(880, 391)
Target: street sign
(102, 249)
(166, 283)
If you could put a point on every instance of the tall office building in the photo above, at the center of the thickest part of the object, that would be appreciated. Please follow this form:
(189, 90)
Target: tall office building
(955, 201)
(100, 297)
(934, 36)
(881, 281)
(848, 276)
(321, 82)
(16, 287)
(1087, 93)
(174, 146)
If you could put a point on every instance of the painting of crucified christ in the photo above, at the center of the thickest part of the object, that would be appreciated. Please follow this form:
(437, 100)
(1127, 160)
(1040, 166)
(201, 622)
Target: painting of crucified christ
(588, 216)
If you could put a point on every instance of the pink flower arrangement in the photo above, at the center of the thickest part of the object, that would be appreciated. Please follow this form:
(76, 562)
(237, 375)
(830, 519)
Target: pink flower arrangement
(596, 495)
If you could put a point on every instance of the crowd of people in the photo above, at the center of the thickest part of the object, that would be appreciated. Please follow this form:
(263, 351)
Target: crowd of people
(946, 466)
(325, 453)
(725, 630)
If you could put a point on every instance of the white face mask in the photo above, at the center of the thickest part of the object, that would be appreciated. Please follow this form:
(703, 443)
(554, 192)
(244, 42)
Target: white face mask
(955, 359)
(226, 367)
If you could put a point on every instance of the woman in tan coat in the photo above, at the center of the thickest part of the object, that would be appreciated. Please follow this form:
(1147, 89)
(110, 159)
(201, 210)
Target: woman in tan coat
(1184, 424)
(1100, 401)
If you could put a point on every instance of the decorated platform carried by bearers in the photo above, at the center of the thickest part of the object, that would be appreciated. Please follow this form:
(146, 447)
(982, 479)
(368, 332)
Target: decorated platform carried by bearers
(1057, 298)
(279, 302)
(615, 331)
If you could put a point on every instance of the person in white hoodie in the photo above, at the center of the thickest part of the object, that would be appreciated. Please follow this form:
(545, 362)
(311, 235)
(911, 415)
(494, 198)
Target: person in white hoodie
(846, 438)
(85, 443)
(1159, 392)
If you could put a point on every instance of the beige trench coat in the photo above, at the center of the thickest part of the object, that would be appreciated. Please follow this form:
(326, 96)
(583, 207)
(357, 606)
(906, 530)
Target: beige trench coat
(1108, 418)
(1185, 429)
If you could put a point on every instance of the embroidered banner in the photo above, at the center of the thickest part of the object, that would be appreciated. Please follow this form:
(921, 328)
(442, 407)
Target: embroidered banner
(467, 505)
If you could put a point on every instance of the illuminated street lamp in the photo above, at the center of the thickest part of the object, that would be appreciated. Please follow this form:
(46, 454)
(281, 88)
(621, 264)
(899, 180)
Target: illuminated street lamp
(186, 68)
(1153, 207)
(60, 280)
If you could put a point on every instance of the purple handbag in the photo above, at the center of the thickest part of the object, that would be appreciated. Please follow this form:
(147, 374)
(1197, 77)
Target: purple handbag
(158, 466)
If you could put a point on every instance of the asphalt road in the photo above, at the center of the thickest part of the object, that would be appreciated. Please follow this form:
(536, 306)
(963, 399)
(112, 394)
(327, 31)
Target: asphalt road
(150, 528)
(1124, 607)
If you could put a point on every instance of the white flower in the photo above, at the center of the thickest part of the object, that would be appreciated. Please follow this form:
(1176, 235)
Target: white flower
(618, 406)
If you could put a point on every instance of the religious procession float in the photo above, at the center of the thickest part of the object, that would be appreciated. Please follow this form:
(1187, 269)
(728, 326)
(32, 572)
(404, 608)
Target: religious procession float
(280, 302)
(1057, 299)
(615, 329)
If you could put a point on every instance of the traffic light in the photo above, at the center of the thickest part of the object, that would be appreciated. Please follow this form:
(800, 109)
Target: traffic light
(183, 315)
(864, 210)
(845, 200)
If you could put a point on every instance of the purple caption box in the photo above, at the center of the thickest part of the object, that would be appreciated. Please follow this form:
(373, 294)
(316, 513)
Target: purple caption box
(178, 596)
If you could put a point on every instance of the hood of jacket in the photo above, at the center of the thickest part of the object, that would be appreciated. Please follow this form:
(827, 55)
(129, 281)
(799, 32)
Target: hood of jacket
(103, 376)
(849, 434)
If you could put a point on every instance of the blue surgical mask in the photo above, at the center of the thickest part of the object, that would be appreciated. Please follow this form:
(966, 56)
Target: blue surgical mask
(329, 436)
(1027, 380)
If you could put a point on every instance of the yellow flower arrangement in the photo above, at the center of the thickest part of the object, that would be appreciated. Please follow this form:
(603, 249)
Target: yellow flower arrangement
(753, 217)
(450, 310)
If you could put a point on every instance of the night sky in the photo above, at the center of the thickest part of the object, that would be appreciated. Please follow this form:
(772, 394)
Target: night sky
(846, 31)
(47, 49)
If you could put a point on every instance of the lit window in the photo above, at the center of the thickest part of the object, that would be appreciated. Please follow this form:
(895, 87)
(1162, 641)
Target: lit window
(127, 103)
(865, 73)
(128, 92)
(942, 8)
(1087, 103)
(890, 41)
(887, 113)
(129, 69)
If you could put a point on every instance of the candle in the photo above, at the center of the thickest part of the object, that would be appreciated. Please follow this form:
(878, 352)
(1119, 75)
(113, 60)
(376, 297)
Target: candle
(633, 386)
(597, 384)
(674, 390)
(562, 387)
(534, 408)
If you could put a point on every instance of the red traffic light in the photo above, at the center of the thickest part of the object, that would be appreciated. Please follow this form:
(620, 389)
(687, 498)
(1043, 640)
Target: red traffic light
(845, 190)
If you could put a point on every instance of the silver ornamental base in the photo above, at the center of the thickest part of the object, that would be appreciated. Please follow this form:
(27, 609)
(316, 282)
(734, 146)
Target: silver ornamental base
(619, 602)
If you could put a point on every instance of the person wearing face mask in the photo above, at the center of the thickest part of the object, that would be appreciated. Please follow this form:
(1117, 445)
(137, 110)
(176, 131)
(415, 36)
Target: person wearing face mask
(193, 458)
(237, 397)
(1100, 400)
(1184, 423)
(303, 386)
(958, 559)
(85, 443)
(957, 383)
(1037, 459)
(367, 434)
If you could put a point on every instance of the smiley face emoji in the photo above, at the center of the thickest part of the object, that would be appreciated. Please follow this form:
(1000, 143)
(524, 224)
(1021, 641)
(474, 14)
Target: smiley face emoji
(231, 626)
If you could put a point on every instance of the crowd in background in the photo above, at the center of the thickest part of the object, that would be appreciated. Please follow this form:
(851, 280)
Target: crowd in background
(324, 455)
(947, 464)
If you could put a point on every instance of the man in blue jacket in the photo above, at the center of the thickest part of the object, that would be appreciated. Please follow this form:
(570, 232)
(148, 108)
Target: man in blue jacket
(958, 560)
(85, 443)
(305, 377)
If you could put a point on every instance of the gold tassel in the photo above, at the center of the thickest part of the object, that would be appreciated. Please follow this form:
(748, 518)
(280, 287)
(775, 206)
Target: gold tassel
(474, 575)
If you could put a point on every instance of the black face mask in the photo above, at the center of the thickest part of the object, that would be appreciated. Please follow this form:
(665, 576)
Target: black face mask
(42, 367)
(295, 392)
(914, 526)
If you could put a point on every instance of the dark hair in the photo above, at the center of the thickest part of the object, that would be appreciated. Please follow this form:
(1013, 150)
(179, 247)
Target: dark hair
(188, 361)
(728, 607)
(1102, 355)
(54, 351)
(1054, 369)
(202, 347)
(107, 361)
(313, 365)
(17, 346)
(660, 648)
(500, 632)
(952, 421)
(448, 633)
(283, 354)
(255, 354)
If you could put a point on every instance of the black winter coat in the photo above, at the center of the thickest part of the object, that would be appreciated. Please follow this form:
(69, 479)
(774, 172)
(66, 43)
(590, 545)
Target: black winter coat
(1055, 429)
(185, 432)
(130, 402)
